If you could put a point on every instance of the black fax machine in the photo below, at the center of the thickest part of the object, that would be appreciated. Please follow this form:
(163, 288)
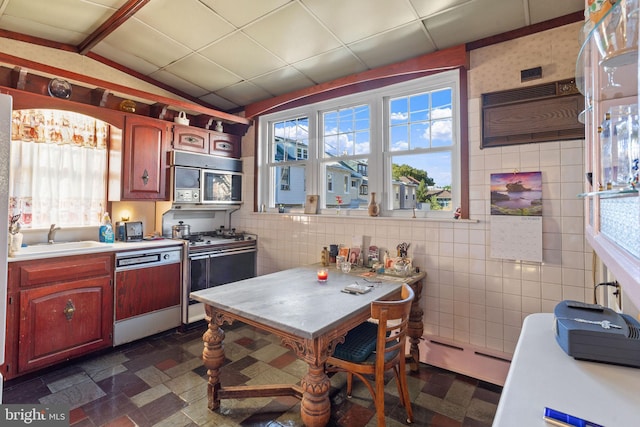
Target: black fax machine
(596, 333)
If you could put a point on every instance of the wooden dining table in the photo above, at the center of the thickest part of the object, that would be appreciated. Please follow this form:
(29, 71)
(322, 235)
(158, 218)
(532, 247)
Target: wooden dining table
(309, 316)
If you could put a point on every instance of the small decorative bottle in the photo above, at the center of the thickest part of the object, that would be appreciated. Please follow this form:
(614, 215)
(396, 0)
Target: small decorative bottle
(374, 208)
(324, 257)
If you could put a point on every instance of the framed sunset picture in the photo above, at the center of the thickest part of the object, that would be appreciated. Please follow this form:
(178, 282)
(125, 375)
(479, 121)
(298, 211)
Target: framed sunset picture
(516, 194)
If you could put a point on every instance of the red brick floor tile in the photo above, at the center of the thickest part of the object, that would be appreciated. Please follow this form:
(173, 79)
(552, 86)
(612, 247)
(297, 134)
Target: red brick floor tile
(166, 364)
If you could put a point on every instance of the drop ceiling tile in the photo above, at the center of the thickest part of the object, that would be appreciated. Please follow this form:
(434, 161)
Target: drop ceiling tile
(244, 93)
(543, 10)
(64, 21)
(241, 55)
(188, 22)
(117, 55)
(218, 102)
(142, 41)
(292, 34)
(282, 81)
(44, 31)
(474, 21)
(202, 72)
(431, 7)
(178, 83)
(331, 65)
(241, 12)
(347, 20)
(393, 46)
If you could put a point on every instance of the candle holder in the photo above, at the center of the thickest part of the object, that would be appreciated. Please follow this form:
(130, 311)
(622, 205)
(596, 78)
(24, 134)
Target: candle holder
(323, 275)
(345, 266)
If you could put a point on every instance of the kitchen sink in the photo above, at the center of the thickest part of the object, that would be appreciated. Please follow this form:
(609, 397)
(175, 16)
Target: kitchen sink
(54, 248)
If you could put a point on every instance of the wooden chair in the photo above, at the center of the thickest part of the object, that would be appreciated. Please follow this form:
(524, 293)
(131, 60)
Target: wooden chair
(389, 337)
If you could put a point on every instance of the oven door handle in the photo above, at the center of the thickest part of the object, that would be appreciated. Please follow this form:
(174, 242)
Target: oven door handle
(225, 252)
(197, 257)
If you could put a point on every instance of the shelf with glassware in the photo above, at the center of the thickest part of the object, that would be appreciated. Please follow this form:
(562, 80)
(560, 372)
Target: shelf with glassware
(607, 75)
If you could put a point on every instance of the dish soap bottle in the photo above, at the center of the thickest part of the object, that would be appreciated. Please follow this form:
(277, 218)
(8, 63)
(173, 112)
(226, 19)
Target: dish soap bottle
(106, 229)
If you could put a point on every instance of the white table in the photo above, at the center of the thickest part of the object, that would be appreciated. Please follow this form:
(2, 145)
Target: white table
(543, 375)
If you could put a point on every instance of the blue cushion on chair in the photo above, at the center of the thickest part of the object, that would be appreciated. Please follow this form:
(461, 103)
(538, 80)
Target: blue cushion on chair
(358, 344)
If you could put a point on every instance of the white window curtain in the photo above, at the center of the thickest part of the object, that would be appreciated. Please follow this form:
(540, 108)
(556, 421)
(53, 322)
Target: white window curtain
(58, 183)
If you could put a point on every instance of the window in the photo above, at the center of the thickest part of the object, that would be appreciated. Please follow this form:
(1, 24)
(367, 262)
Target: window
(402, 140)
(58, 168)
(288, 153)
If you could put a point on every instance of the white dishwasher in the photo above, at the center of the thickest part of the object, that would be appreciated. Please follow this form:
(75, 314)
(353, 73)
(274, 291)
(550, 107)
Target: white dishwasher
(147, 295)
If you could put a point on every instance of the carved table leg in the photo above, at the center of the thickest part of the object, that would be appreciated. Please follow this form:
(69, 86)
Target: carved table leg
(315, 407)
(415, 327)
(213, 359)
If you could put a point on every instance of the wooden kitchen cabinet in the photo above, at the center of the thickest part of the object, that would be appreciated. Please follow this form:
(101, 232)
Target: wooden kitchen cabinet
(224, 144)
(58, 309)
(197, 140)
(144, 167)
(189, 138)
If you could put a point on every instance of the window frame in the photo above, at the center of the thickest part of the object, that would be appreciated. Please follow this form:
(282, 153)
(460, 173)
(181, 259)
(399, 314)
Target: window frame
(380, 156)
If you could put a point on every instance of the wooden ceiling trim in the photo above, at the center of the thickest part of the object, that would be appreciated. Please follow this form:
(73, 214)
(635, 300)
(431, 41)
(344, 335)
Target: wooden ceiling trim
(442, 60)
(125, 90)
(12, 35)
(121, 16)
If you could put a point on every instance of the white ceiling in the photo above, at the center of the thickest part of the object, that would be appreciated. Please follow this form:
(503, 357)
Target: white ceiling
(230, 53)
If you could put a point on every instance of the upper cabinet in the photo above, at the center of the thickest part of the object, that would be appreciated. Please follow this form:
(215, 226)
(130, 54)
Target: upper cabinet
(203, 141)
(144, 167)
(138, 160)
(607, 75)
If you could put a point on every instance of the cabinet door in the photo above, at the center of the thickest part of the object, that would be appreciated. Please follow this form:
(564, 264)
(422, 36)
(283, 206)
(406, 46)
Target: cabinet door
(61, 321)
(188, 138)
(145, 290)
(224, 144)
(144, 173)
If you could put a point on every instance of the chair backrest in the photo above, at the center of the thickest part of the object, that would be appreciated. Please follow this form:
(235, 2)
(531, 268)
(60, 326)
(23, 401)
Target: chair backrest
(393, 320)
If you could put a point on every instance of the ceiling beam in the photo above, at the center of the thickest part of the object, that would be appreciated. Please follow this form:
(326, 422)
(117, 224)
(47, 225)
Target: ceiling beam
(121, 16)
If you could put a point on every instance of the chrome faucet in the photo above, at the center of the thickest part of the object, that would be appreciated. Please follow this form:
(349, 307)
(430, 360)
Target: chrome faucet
(52, 233)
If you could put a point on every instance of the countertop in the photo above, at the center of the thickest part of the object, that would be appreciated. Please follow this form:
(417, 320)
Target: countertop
(98, 248)
(543, 375)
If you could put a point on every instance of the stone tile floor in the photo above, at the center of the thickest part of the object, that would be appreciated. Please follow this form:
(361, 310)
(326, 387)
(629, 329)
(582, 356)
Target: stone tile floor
(160, 381)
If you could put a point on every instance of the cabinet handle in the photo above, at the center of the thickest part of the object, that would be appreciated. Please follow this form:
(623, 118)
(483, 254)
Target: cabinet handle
(145, 177)
(69, 309)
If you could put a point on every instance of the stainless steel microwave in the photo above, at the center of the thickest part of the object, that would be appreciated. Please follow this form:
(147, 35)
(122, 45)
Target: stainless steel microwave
(203, 179)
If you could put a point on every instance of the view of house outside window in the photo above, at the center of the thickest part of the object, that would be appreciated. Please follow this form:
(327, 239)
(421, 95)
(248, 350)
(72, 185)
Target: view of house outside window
(289, 151)
(400, 141)
(420, 142)
(346, 144)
